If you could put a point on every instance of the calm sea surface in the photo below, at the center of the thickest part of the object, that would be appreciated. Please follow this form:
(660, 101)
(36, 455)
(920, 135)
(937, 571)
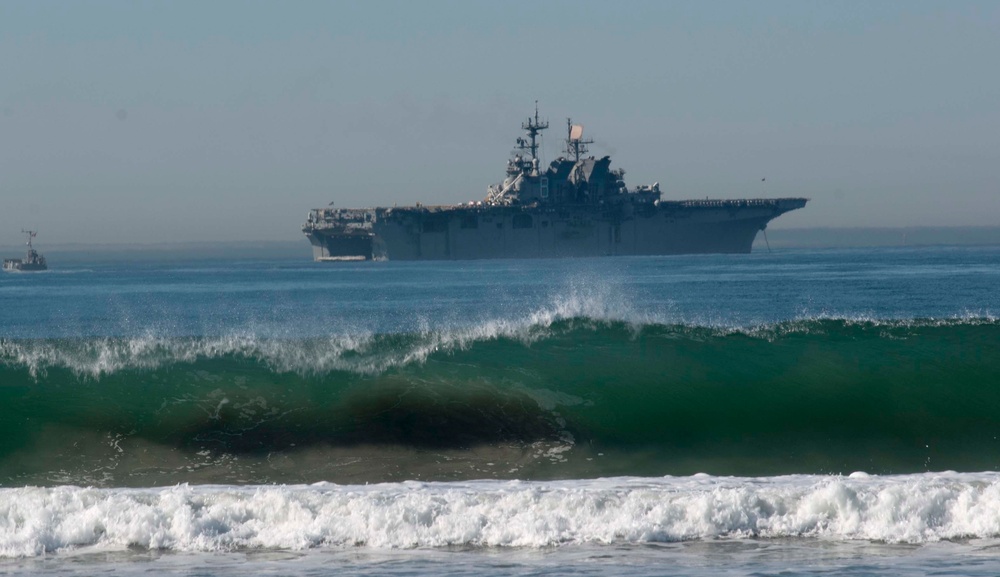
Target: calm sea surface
(799, 412)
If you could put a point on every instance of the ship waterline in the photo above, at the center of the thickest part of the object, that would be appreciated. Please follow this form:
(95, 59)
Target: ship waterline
(577, 207)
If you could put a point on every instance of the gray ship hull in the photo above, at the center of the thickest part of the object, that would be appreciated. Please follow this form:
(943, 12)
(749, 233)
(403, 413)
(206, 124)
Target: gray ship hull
(17, 265)
(496, 232)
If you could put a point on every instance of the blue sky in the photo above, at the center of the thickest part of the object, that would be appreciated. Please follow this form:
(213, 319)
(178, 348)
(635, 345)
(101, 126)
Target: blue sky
(125, 122)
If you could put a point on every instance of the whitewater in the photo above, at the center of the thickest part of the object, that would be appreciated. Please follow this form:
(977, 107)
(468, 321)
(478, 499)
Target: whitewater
(626, 511)
(797, 412)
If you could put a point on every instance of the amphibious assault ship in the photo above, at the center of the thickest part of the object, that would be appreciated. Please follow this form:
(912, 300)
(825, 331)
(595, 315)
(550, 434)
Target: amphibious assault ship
(31, 262)
(576, 207)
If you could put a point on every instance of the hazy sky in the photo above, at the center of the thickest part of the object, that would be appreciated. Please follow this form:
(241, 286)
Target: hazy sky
(130, 122)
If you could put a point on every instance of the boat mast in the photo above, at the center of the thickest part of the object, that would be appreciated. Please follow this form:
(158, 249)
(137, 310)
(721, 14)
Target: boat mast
(31, 234)
(534, 127)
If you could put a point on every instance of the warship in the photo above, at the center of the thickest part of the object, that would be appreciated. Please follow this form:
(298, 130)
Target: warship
(576, 207)
(31, 262)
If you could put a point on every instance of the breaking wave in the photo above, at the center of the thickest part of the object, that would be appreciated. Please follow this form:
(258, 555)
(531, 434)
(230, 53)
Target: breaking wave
(556, 396)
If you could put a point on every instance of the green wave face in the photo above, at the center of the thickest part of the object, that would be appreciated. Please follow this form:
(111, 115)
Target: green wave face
(575, 398)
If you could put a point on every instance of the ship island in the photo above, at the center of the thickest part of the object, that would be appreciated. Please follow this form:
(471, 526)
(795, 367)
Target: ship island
(579, 206)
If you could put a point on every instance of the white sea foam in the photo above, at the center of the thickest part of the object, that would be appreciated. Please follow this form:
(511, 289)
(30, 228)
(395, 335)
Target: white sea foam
(911, 509)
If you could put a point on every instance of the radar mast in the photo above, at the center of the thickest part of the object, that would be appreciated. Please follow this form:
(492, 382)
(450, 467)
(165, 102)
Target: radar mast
(575, 144)
(31, 234)
(533, 126)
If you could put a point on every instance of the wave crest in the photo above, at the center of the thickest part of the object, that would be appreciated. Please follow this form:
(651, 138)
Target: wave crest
(367, 353)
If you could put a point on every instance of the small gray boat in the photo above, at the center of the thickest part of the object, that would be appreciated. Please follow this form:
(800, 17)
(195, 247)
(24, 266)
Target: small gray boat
(31, 262)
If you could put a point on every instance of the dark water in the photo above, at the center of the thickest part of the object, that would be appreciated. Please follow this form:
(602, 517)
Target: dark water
(772, 376)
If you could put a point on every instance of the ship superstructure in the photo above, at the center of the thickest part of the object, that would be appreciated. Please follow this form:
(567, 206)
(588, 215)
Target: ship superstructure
(577, 206)
(32, 261)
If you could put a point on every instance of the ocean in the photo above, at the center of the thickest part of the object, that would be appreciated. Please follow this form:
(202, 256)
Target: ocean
(795, 412)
